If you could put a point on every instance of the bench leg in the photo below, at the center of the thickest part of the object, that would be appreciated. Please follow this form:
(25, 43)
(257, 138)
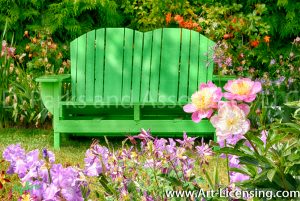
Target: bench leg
(56, 140)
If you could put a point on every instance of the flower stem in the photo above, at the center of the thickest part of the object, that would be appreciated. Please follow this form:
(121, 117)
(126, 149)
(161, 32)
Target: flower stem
(249, 140)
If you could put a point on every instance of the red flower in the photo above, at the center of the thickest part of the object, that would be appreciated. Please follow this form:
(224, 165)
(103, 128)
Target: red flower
(168, 18)
(254, 43)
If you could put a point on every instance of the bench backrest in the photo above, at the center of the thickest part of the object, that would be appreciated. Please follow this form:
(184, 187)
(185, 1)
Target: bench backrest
(120, 65)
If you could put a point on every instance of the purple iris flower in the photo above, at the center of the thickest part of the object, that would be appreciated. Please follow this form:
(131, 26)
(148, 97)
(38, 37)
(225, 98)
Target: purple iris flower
(187, 142)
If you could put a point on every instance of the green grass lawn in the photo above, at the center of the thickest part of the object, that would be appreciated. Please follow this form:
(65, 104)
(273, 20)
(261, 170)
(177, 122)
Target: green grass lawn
(72, 151)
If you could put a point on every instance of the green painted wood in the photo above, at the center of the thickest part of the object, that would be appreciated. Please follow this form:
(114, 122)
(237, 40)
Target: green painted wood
(99, 64)
(125, 80)
(137, 112)
(193, 75)
(127, 68)
(74, 56)
(99, 104)
(168, 82)
(137, 63)
(184, 66)
(202, 73)
(113, 64)
(56, 140)
(47, 95)
(54, 78)
(121, 127)
(81, 69)
(48, 89)
(90, 66)
(155, 65)
(146, 67)
(210, 63)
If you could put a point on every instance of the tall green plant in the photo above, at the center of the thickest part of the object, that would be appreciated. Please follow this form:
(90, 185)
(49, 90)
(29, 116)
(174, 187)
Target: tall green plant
(5, 63)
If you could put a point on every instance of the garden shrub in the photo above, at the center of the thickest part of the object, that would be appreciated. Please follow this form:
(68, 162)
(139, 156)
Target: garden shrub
(65, 20)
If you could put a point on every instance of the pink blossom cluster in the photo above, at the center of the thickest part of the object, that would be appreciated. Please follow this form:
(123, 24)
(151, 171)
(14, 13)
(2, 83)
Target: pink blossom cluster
(228, 117)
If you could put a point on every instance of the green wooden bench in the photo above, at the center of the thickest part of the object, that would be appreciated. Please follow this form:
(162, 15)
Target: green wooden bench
(124, 80)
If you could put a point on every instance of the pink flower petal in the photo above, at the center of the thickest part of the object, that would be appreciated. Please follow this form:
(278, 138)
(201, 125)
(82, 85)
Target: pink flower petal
(245, 108)
(189, 108)
(250, 98)
(195, 117)
(256, 87)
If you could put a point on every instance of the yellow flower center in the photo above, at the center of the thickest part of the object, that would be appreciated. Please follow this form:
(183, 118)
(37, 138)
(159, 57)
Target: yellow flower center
(231, 122)
(202, 99)
(241, 88)
(26, 197)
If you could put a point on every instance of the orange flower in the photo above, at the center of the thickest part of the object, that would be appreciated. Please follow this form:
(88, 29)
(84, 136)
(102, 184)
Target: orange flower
(267, 39)
(189, 24)
(168, 18)
(178, 19)
(254, 43)
(199, 28)
(195, 25)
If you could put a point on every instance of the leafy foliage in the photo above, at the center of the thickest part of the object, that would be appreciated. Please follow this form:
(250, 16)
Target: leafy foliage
(64, 19)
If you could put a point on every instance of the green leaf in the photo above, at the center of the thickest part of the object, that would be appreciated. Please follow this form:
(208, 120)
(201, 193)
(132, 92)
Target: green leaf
(239, 144)
(240, 171)
(171, 179)
(271, 174)
(103, 181)
(208, 179)
(228, 150)
(255, 140)
(248, 160)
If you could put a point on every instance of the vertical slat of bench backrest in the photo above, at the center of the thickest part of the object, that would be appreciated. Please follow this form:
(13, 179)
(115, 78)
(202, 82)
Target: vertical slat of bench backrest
(81, 69)
(194, 63)
(136, 71)
(209, 63)
(155, 65)
(99, 64)
(74, 55)
(113, 65)
(184, 66)
(168, 82)
(202, 73)
(90, 67)
(127, 68)
(146, 67)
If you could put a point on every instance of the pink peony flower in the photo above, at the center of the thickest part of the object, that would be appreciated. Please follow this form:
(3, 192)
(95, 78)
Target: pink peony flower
(230, 120)
(204, 101)
(242, 89)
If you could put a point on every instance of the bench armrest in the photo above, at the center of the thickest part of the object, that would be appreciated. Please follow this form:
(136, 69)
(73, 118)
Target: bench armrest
(54, 78)
(51, 90)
